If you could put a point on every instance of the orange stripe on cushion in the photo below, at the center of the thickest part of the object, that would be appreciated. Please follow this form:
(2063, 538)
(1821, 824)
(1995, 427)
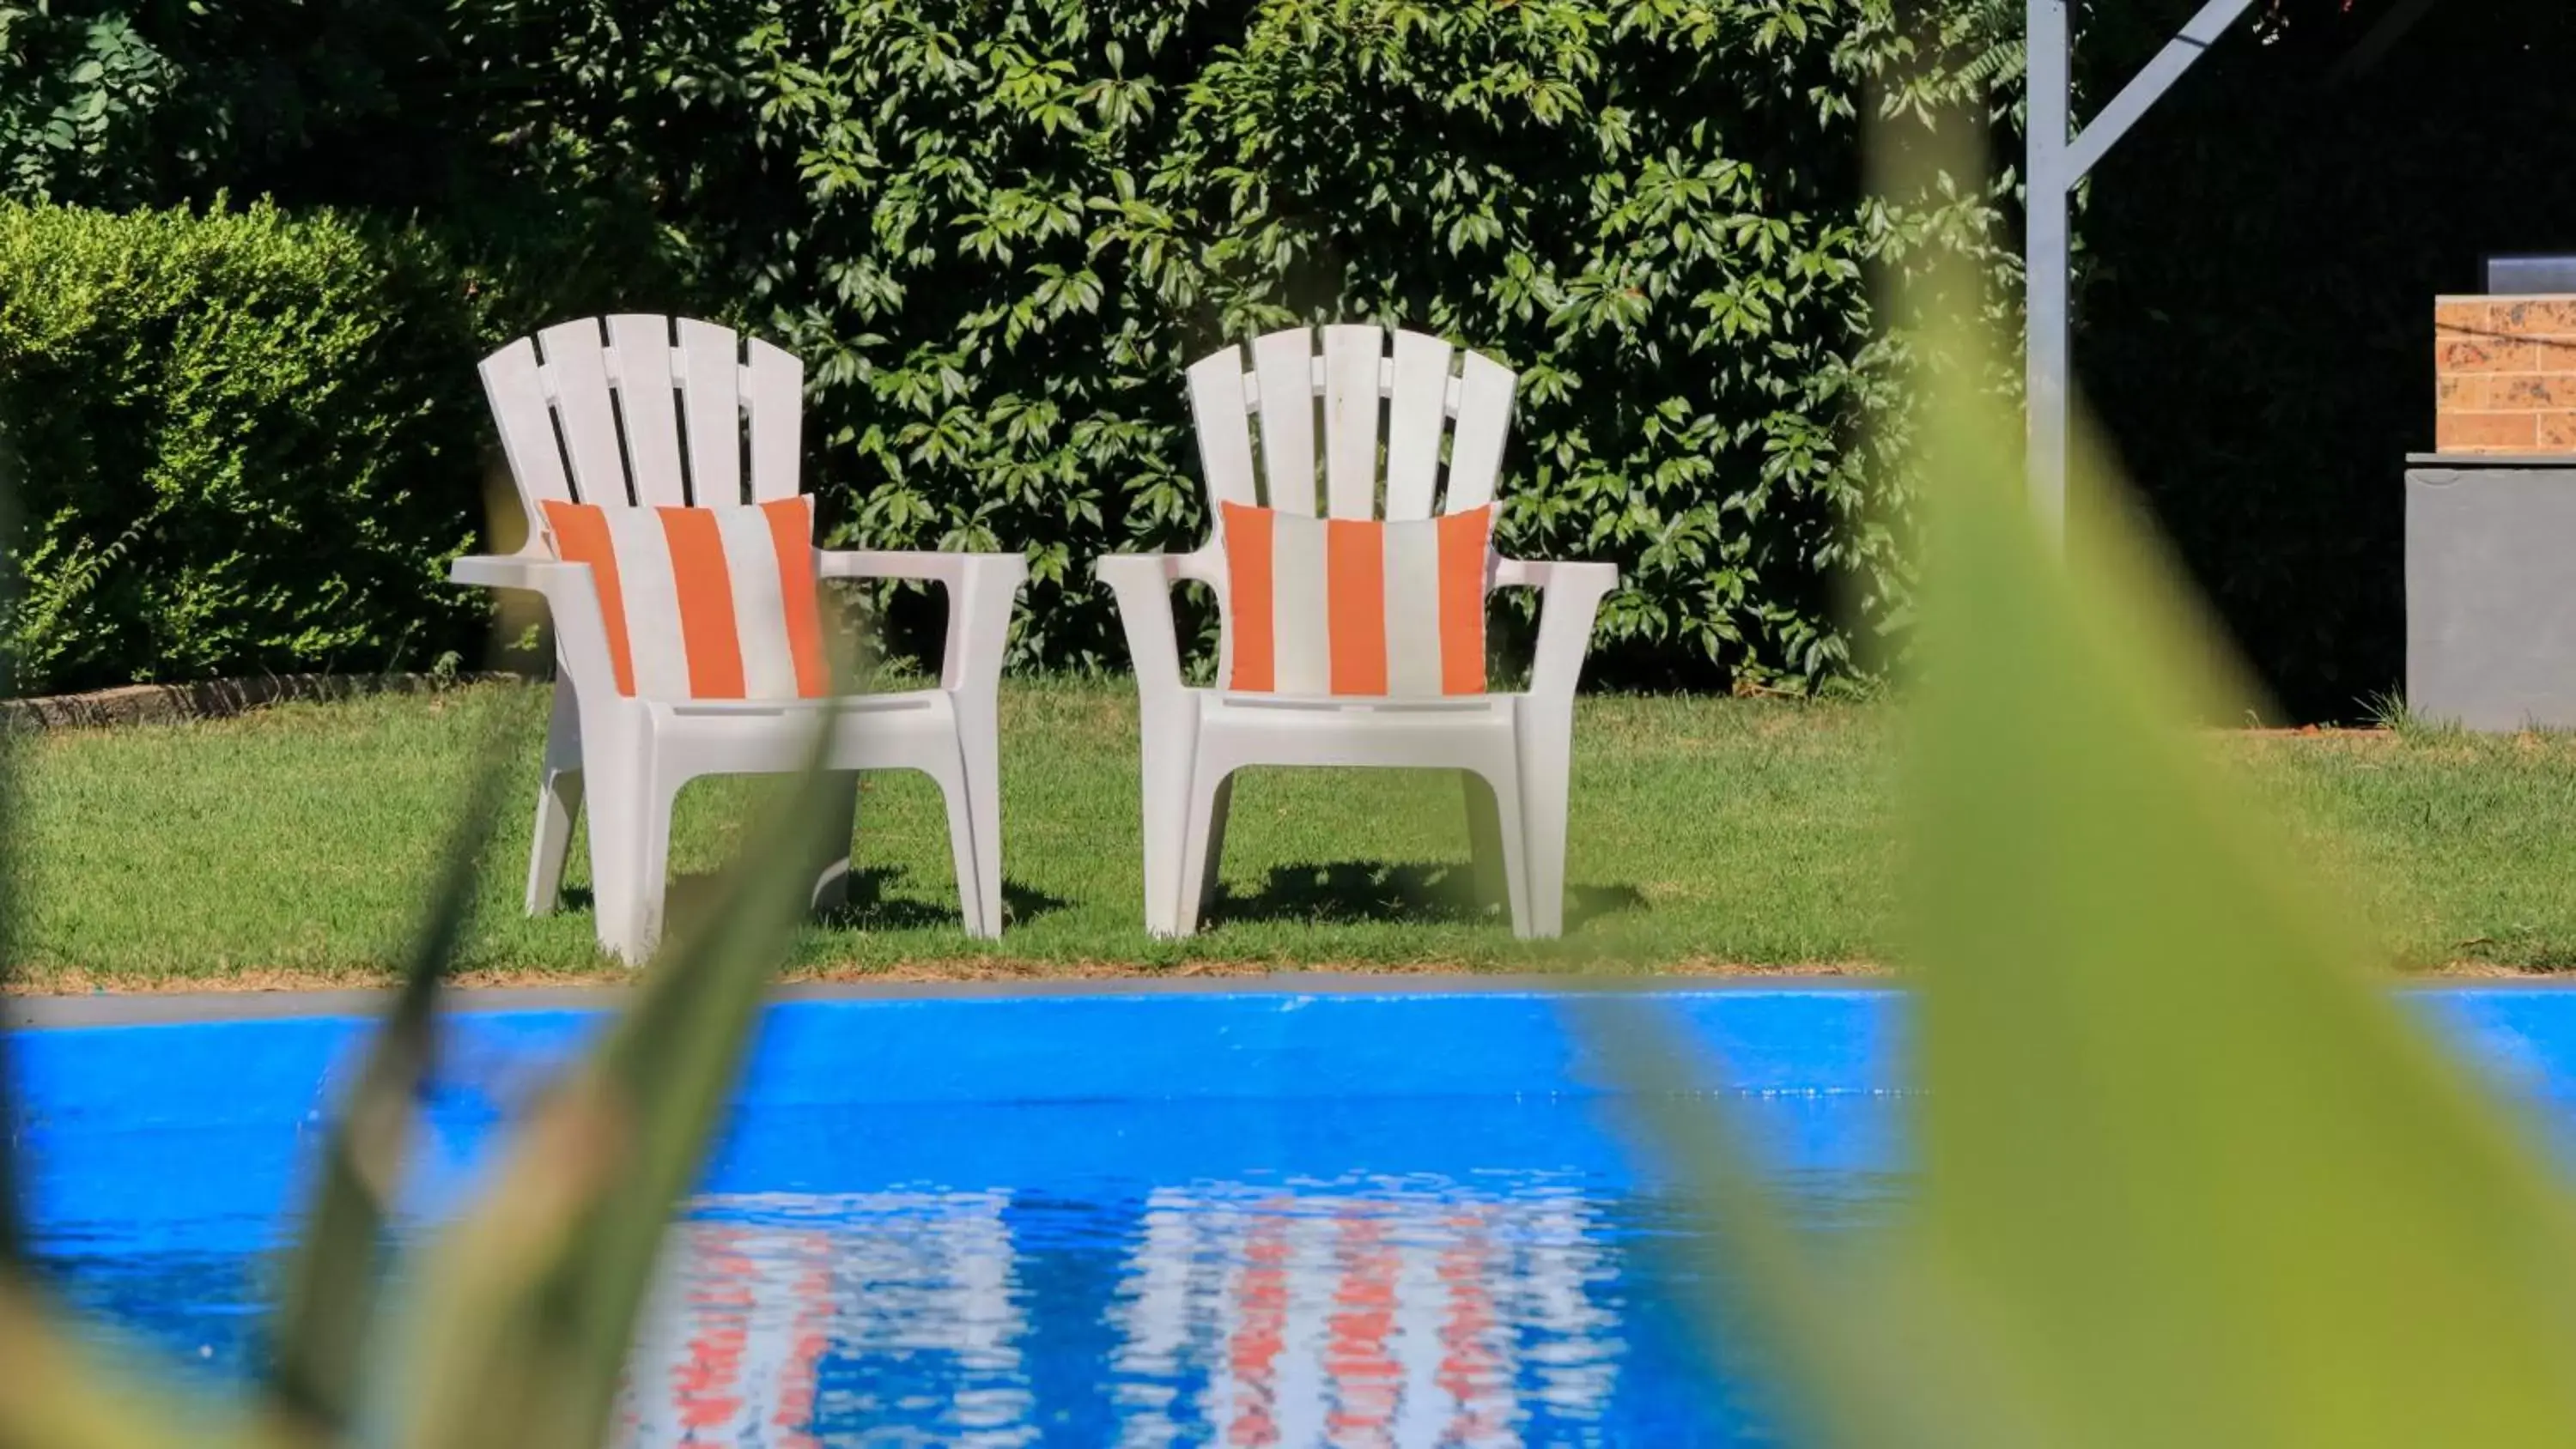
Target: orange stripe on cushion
(1355, 585)
(791, 528)
(1248, 597)
(705, 590)
(581, 536)
(1465, 541)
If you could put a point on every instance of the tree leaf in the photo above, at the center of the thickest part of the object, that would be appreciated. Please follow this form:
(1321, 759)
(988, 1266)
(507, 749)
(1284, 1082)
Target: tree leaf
(534, 1293)
(326, 1313)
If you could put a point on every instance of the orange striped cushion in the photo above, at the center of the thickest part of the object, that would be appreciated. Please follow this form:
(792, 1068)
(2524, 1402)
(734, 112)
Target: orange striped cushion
(1355, 606)
(703, 603)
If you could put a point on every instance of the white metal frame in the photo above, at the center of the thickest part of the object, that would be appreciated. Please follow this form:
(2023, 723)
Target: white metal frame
(2058, 161)
(667, 412)
(1391, 397)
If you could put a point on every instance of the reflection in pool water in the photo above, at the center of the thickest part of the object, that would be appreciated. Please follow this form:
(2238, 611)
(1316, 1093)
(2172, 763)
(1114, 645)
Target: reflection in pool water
(1257, 1220)
(1235, 1315)
(1260, 1220)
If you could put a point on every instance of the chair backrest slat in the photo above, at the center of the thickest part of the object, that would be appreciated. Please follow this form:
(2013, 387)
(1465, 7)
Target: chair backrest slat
(1353, 358)
(1417, 415)
(647, 412)
(645, 409)
(1485, 389)
(773, 393)
(1424, 407)
(577, 368)
(711, 406)
(1222, 423)
(518, 396)
(1284, 364)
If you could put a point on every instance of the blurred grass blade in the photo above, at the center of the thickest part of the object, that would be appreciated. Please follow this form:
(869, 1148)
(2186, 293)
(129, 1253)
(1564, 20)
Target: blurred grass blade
(53, 1397)
(327, 1305)
(535, 1294)
(2187, 1163)
(13, 1240)
(1854, 1364)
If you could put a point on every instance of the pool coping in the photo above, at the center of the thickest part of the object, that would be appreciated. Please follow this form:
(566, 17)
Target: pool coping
(181, 1008)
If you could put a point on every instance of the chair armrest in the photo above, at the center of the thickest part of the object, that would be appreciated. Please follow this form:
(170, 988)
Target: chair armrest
(1570, 599)
(581, 633)
(981, 588)
(951, 569)
(532, 571)
(1142, 584)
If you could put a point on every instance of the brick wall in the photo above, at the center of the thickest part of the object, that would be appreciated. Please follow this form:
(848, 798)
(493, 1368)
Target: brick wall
(2504, 374)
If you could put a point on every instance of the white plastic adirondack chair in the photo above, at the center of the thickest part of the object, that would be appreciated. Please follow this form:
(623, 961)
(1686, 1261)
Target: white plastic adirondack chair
(663, 412)
(1383, 396)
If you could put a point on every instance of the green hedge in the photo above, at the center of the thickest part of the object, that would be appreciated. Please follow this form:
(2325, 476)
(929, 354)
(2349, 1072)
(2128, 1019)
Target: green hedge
(998, 232)
(245, 440)
(999, 229)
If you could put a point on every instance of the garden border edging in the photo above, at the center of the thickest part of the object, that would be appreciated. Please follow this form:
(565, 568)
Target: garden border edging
(206, 699)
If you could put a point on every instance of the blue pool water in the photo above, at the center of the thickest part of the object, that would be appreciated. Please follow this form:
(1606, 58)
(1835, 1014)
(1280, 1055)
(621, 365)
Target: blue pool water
(1220, 1218)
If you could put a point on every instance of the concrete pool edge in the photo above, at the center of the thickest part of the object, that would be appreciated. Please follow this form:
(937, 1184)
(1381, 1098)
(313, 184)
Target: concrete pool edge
(178, 1008)
(41, 1011)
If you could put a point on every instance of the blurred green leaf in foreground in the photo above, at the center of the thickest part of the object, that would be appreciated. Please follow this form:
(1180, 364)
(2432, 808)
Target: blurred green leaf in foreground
(2188, 1173)
(518, 1325)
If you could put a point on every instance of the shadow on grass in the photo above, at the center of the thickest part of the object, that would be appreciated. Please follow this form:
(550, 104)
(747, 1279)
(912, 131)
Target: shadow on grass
(1349, 891)
(867, 908)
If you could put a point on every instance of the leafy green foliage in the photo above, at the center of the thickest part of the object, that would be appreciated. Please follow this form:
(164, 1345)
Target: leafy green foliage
(997, 234)
(525, 1335)
(12, 902)
(1003, 227)
(78, 91)
(2189, 1173)
(248, 441)
(332, 1297)
(2172, 1127)
(515, 1332)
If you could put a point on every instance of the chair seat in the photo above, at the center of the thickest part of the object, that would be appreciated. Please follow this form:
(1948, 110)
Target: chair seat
(894, 702)
(914, 730)
(1236, 730)
(1370, 705)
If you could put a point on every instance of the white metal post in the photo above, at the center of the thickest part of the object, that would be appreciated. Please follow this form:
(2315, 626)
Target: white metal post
(2058, 159)
(2049, 259)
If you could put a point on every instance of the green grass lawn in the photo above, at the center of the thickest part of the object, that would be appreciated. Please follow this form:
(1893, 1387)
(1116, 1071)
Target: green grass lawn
(292, 844)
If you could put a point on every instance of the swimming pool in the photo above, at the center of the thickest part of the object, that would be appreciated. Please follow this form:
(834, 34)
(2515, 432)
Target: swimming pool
(1287, 1216)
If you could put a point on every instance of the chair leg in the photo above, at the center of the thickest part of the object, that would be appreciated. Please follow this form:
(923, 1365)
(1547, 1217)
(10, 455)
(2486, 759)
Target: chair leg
(979, 747)
(651, 862)
(558, 802)
(630, 852)
(1220, 809)
(962, 853)
(558, 806)
(1545, 738)
(1485, 842)
(1505, 788)
(1210, 788)
(615, 819)
(832, 877)
(1169, 738)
